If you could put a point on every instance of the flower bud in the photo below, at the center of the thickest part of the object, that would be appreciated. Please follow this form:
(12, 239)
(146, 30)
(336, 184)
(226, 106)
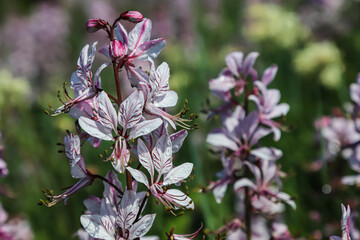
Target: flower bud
(117, 49)
(93, 25)
(132, 16)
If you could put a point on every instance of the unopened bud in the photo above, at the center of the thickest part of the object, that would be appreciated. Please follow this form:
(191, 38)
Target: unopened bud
(117, 49)
(93, 25)
(132, 16)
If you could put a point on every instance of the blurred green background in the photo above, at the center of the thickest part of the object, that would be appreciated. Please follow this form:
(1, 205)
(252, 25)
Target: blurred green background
(315, 43)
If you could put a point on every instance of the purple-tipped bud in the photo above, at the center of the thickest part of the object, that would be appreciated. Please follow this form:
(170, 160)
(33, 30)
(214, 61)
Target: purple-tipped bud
(117, 49)
(132, 16)
(93, 25)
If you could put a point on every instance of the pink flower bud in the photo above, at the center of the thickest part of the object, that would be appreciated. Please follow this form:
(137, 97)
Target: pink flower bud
(94, 25)
(117, 49)
(132, 16)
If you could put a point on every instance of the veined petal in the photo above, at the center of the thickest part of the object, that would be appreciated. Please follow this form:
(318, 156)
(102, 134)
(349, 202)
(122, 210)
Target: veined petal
(177, 140)
(106, 112)
(178, 174)
(97, 79)
(167, 99)
(128, 210)
(91, 55)
(83, 58)
(179, 198)
(145, 127)
(145, 158)
(139, 176)
(98, 226)
(160, 77)
(78, 169)
(78, 85)
(140, 228)
(95, 129)
(140, 34)
(150, 49)
(121, 34)
(162, 155)
(72, 147)
(130, 110)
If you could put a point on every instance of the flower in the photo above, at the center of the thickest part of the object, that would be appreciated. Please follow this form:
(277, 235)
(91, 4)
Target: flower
(128, 117)
(268, 107)
(78, 171)
(234, 76)
(264, 175)
(239, 133)
(161, 160)
(107, 220)
(132, 16)
(345, 224)
(137, 45)
(85, 86)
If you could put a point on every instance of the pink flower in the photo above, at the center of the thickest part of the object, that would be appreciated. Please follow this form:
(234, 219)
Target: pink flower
(234, 76)
(132, 16)
(84, 85)
(108, 122)
(78, 171)
(265, 175)
(345, 224)
(160, 160)
(110, 220)
(94, 25)
(268, 107)
(137, 44)
(239, 133)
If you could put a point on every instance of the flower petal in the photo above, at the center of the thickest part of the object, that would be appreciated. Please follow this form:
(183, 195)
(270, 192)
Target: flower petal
(145, 127)
(178, 174)
(139, 176)
(95, 129)
(130, 110)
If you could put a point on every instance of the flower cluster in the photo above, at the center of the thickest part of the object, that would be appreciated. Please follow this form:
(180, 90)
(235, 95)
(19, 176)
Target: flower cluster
(135, 125)
(15, 228)
(249, 113)
(341, 135)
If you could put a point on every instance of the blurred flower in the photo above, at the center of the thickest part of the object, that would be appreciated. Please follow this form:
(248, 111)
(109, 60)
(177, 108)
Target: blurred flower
(322, 58)
(38, 45)
(13, 90)
(270, 22)
(345, 224)
(3, 166)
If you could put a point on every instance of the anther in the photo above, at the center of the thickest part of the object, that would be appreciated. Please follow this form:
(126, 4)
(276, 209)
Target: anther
(41, 202)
